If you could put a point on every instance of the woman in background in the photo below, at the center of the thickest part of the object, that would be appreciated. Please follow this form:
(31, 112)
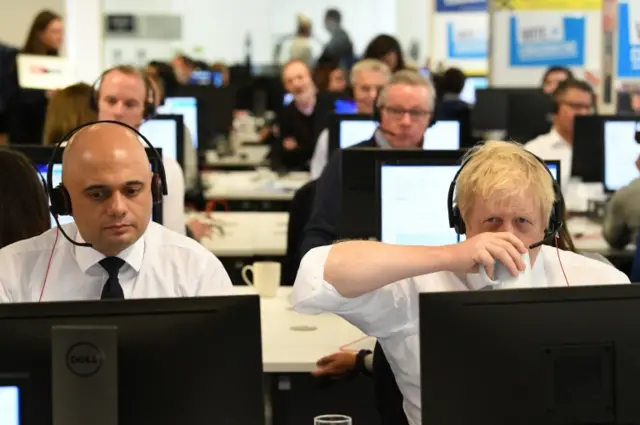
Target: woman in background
(24, 207)
(330, 78)
(27, 107)
(387, 49)
(68, 109)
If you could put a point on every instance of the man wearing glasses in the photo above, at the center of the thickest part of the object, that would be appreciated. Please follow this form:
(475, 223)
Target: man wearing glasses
(405, 104)
(571, 98)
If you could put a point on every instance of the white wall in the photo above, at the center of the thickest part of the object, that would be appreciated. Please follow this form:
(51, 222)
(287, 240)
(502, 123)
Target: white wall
(16, 18)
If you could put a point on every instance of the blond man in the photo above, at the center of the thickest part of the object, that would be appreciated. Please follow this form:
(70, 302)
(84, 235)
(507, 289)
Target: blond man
(505, 196)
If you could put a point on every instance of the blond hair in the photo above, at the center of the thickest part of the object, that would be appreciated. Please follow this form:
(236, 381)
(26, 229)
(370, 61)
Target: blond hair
(68, 108)
(500, 172)
(369, 65)
(408, 78)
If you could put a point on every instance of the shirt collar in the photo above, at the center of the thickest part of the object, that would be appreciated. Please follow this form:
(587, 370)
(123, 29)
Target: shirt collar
(88, 257)
(380, 140)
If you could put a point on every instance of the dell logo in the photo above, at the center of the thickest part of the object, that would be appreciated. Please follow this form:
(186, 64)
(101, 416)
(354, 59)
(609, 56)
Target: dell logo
(84, 359)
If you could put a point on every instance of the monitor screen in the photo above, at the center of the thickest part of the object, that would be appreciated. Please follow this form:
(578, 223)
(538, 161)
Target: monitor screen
(162, 133)
(443, 135)
(412, 212)
(287, 99)
(188, 108)
(553, 168)
(345, 106)
(468, 93)
(206, 78)
(620, 153)
(9, 405)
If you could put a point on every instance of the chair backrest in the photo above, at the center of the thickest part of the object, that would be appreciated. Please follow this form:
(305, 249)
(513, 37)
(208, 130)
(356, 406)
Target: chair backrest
(299, 213)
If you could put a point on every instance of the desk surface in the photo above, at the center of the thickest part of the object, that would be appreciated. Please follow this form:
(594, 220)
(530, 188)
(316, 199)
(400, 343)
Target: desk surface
(288, 350)
(252, 185)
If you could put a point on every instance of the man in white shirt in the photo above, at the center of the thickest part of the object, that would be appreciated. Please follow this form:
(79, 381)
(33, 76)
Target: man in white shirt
(571, 98)
(368, 76)
(505, 198)
(116, 251)
(124, 95)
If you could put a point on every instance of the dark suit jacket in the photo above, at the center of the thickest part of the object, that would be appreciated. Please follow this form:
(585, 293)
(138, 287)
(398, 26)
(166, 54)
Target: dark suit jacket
(299, 213)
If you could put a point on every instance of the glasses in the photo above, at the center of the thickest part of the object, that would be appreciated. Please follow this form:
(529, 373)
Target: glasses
(397, 112)
(577, 107)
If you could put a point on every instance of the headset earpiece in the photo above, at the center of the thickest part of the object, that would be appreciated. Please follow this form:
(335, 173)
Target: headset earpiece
(60, 201)
(156, 188)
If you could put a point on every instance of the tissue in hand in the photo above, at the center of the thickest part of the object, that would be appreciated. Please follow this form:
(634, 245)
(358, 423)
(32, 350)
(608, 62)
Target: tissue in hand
(504, 280)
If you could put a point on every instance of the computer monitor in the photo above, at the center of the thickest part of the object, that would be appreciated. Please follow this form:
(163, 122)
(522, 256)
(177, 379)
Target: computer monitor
(490, 112)
(206, 78)
(347, 130)
(11, 395)
(360, 201)
(287, 99)
(621, 150)
(165, 361)
(472, 84)
(530, 356)
(40, 156)
(345, 106)
(188, 108)
(167, 133)
(412, 200)
(528, 115)
(587, 162)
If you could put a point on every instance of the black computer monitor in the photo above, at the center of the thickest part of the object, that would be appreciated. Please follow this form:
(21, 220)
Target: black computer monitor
(187, 361)
(587, 162)
(531, 356)
(472, 84)
(412, 200)
(492, 104)
(528, 115)
(359, 219)
(167, 133)
(347, 130)
(40, 156)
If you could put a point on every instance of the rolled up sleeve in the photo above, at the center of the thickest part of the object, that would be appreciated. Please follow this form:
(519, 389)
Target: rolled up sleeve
(383, 313)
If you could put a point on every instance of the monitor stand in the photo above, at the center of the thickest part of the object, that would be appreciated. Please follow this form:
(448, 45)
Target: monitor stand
(84, 375)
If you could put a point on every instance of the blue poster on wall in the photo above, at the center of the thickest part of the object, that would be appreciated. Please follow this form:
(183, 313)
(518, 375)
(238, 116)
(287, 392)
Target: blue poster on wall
(628, 42)
(546, 40)
(464, 42)
(461, 5)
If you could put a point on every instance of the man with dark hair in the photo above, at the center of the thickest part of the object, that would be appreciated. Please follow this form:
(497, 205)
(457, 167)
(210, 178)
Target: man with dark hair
(339, 46)
(451, 107)
(554, 76)
(571, 98)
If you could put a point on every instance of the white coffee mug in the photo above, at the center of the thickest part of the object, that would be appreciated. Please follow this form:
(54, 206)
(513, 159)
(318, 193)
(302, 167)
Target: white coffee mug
(503, 278)
(266, 277)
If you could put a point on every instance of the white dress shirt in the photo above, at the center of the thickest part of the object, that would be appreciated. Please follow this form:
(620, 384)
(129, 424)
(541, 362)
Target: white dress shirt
(319, 159)
(552, 146)
(161, 264)
(173, 216)
(391, 313)
(190, 162)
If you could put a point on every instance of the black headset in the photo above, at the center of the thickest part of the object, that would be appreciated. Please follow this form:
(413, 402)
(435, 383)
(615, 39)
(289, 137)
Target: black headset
(557, 211)
(59, 196)
(149, 96)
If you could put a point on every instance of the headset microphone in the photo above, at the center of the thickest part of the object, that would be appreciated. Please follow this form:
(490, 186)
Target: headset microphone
(55, 217)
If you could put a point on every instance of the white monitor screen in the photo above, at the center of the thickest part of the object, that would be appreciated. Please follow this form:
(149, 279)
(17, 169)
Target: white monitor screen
(468, 93)
(57, 178)
(188, 108)
(443, 135)
(414, 204)
(620, 153)
(9, 405)
(287, 99)
(162, 134)
(553, 168)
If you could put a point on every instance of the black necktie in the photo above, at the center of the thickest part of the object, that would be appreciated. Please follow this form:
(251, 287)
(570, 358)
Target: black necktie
(112, 289)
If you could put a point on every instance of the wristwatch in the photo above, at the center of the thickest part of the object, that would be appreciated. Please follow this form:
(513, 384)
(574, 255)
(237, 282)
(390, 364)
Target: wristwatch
(360, 366)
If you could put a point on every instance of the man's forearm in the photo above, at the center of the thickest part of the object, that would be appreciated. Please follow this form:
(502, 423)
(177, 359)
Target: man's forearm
(355, 268)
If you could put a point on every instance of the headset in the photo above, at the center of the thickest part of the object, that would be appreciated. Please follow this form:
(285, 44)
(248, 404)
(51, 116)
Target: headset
(149, 97)
(59, 196)
(557, 211)
(568, 84)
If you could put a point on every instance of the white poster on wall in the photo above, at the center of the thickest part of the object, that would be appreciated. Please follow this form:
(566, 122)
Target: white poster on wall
(467, 38)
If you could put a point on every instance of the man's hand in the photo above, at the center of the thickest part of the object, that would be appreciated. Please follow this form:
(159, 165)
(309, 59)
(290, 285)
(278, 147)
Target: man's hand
(336, 364)
(289, 143)
(485, 249)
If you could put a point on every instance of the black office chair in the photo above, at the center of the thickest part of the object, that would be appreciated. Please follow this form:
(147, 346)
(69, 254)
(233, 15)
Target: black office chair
(389, 399)
(299, 213)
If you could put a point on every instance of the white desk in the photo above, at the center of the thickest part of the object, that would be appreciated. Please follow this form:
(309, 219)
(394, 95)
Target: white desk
(285, 350)
(246, 234)
(260, 185)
